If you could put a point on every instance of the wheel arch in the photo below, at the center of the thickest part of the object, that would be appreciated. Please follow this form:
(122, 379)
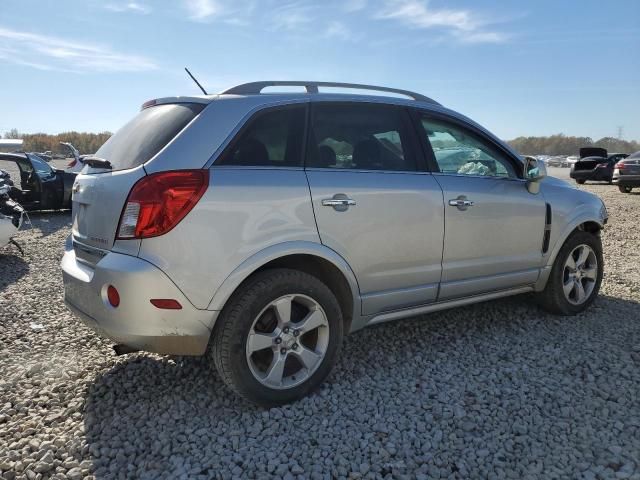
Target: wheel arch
(584, 223)
(312, 258)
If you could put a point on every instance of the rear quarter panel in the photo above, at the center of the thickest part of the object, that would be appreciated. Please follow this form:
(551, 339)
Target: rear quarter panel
(244, 211)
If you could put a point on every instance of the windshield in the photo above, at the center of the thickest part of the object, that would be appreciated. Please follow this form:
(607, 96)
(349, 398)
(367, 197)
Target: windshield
(145, 135)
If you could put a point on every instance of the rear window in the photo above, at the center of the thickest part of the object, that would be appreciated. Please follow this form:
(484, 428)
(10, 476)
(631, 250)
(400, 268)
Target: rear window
(145, 135)
(273, 138)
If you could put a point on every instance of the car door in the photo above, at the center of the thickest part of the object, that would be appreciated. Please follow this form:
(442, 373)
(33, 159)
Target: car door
(46, 181)
(374, 204)
(494, 226)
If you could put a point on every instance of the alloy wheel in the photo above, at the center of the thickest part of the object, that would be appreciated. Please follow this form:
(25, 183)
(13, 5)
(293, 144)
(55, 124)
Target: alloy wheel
(287, 341)
(580, 274)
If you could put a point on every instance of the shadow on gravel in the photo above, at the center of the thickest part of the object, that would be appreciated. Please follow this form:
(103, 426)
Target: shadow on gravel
(449, 382)
(12, 266)
(49, 222)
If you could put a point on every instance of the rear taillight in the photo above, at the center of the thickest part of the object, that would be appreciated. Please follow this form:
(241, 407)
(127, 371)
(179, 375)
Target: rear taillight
(158, 202)
(72, 163)
(619, 166)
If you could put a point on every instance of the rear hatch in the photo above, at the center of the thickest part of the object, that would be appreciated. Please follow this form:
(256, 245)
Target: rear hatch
(100, 192)
(593, 152)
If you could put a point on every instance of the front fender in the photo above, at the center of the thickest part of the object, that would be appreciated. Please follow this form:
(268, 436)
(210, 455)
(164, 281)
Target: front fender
(583, 214)
(280, 250)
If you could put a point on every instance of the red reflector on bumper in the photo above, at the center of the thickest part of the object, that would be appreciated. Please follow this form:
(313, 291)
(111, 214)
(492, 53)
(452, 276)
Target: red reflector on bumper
(113, 296)
(166, 303)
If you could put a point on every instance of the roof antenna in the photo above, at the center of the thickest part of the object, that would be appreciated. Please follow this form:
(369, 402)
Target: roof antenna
(197, 82)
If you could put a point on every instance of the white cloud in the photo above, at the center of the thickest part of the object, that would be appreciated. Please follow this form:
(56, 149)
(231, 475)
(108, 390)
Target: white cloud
(307, 17)
(482, 37)
(52, 53)
(134, 7)
(464, 25)
(291, 15)
(354, 5)
(203, 10)
(338, 30)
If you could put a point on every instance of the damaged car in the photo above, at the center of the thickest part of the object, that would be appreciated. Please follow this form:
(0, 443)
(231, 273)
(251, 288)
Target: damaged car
(11, 212)
(35, 184)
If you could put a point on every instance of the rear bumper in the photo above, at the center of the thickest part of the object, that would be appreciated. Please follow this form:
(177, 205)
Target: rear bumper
(135, 322)
(595, 174)
(627, 180)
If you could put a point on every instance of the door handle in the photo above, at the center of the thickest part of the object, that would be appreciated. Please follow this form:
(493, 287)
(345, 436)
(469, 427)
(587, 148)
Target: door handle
(461, 202)
(337, 202)
(340, 202)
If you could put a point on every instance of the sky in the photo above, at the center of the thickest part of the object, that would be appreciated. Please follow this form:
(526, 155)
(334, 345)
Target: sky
(518, 68)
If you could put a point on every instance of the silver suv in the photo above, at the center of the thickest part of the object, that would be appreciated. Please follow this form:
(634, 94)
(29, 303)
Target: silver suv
(259, 228)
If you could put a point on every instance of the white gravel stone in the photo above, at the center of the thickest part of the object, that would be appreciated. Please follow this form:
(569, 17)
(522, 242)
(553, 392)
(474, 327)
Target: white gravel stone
(498, 390)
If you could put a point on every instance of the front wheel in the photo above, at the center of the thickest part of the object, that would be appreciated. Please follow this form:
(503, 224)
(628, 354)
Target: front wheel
(278, 337)
(625, 189)
(580, 182)
(576, 275)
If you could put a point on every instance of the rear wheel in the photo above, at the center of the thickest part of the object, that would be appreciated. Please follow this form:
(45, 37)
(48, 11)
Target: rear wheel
(625, 189)
(576, 275)
(278, 337)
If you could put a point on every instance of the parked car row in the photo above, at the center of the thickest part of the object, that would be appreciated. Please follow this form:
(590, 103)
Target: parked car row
(596, 164)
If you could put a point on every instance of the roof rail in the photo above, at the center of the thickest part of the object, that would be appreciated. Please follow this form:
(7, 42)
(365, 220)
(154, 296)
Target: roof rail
(255, 88)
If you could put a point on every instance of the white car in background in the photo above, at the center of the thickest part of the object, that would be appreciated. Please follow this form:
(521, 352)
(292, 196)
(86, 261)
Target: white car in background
(572, 160)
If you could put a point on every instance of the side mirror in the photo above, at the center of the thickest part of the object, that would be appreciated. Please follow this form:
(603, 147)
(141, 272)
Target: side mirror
(534, 171)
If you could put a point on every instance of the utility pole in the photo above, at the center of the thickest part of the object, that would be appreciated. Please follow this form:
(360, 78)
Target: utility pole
(620, 132)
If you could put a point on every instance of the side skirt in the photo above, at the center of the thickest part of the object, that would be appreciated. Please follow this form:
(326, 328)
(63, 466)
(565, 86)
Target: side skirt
(434, 307)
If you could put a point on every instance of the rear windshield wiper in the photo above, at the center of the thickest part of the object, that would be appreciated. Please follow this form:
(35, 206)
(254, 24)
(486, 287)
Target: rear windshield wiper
(97, 162)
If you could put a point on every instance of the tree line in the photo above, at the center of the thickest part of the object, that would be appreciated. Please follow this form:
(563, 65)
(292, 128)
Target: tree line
(564, 145)
(553, 145)
(42, 142)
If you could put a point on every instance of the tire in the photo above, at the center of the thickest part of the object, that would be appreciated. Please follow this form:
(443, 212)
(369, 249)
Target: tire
(252, 315)
(580, 182)
(553, 298)
(625, 189)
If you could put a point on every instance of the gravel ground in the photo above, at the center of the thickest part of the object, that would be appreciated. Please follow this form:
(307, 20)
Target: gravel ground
(497, 390)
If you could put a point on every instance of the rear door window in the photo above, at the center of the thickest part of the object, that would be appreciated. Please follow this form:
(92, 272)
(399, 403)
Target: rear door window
(360, 137)
(144, 136)
(272, 138)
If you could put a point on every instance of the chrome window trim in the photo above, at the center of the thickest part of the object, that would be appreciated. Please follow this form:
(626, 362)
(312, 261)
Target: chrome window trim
(253, 167)
(487, 177)
(357, 170)
(318, 169)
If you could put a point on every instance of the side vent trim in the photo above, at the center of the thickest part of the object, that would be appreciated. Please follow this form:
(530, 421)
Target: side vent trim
(547, 229)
